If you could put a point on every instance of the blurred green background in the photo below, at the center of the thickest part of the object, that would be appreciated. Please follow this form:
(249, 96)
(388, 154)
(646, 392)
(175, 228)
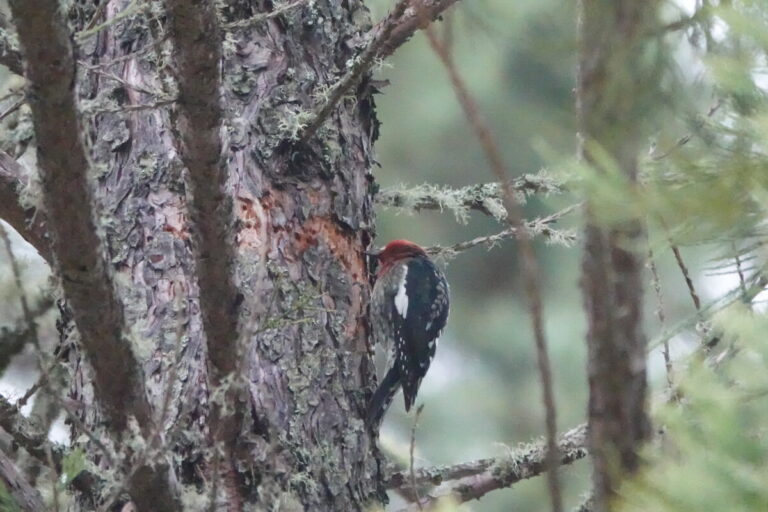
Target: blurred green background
(483, 391)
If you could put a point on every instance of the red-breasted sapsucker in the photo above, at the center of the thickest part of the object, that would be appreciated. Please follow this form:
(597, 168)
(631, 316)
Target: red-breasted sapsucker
(409, 309)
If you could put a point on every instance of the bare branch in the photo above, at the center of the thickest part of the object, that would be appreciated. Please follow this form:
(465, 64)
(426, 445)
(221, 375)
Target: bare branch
(25, 496)
(361, 64)
(419, 15)
(700, 15)
(473, 480)
(135, 7)
(27, 221)
(530, 268)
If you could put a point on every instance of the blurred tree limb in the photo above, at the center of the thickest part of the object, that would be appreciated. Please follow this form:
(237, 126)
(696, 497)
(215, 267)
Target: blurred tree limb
(529, 265)
(615, 98)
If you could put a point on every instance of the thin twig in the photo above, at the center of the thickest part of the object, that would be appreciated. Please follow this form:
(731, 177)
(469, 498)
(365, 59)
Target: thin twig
(111, 76)
(259, 18)
(540, 227)
(133, 8)
(130, 108)
(685, 139)
(29, 222)
(686, 21)
(96, 15)
(133, 55)
(530, 268)
(419, 14)
(739, 270)
(686, 275)
(656, 282)
(754, 288)
(13, 108)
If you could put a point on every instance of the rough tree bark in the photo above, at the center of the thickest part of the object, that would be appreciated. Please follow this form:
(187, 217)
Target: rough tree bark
(302, 217)
(616, 92)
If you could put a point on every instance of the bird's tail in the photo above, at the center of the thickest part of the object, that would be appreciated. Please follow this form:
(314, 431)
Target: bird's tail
(382, 398)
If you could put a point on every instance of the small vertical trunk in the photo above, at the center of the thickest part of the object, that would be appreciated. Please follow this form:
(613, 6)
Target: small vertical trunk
(615, 94)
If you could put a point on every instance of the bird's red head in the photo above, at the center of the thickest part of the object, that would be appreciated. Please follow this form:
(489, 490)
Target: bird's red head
(395, 251)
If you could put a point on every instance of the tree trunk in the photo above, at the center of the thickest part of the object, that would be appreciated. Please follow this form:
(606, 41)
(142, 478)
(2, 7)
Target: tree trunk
(617, 91)
(303, 217)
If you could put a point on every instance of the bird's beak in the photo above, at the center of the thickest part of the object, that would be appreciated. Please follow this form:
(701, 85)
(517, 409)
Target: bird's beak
(373, 252)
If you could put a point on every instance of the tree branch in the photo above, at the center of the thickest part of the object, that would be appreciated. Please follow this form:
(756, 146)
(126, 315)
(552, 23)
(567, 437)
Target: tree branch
(541, 227)
(486, 198)
(198, 122)
(418, 15)
(28, 222)
(27, 435)
(118, 381)
(35, 441)
(66, 195)
(361, 64)
(198, 119)
(472, 480)
(25, 496)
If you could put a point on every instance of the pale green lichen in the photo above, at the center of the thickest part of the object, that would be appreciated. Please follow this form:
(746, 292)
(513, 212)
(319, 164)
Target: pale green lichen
(292, 121)
(484, 197)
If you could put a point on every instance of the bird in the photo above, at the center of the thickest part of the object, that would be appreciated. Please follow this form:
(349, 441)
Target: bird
(409, 310)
